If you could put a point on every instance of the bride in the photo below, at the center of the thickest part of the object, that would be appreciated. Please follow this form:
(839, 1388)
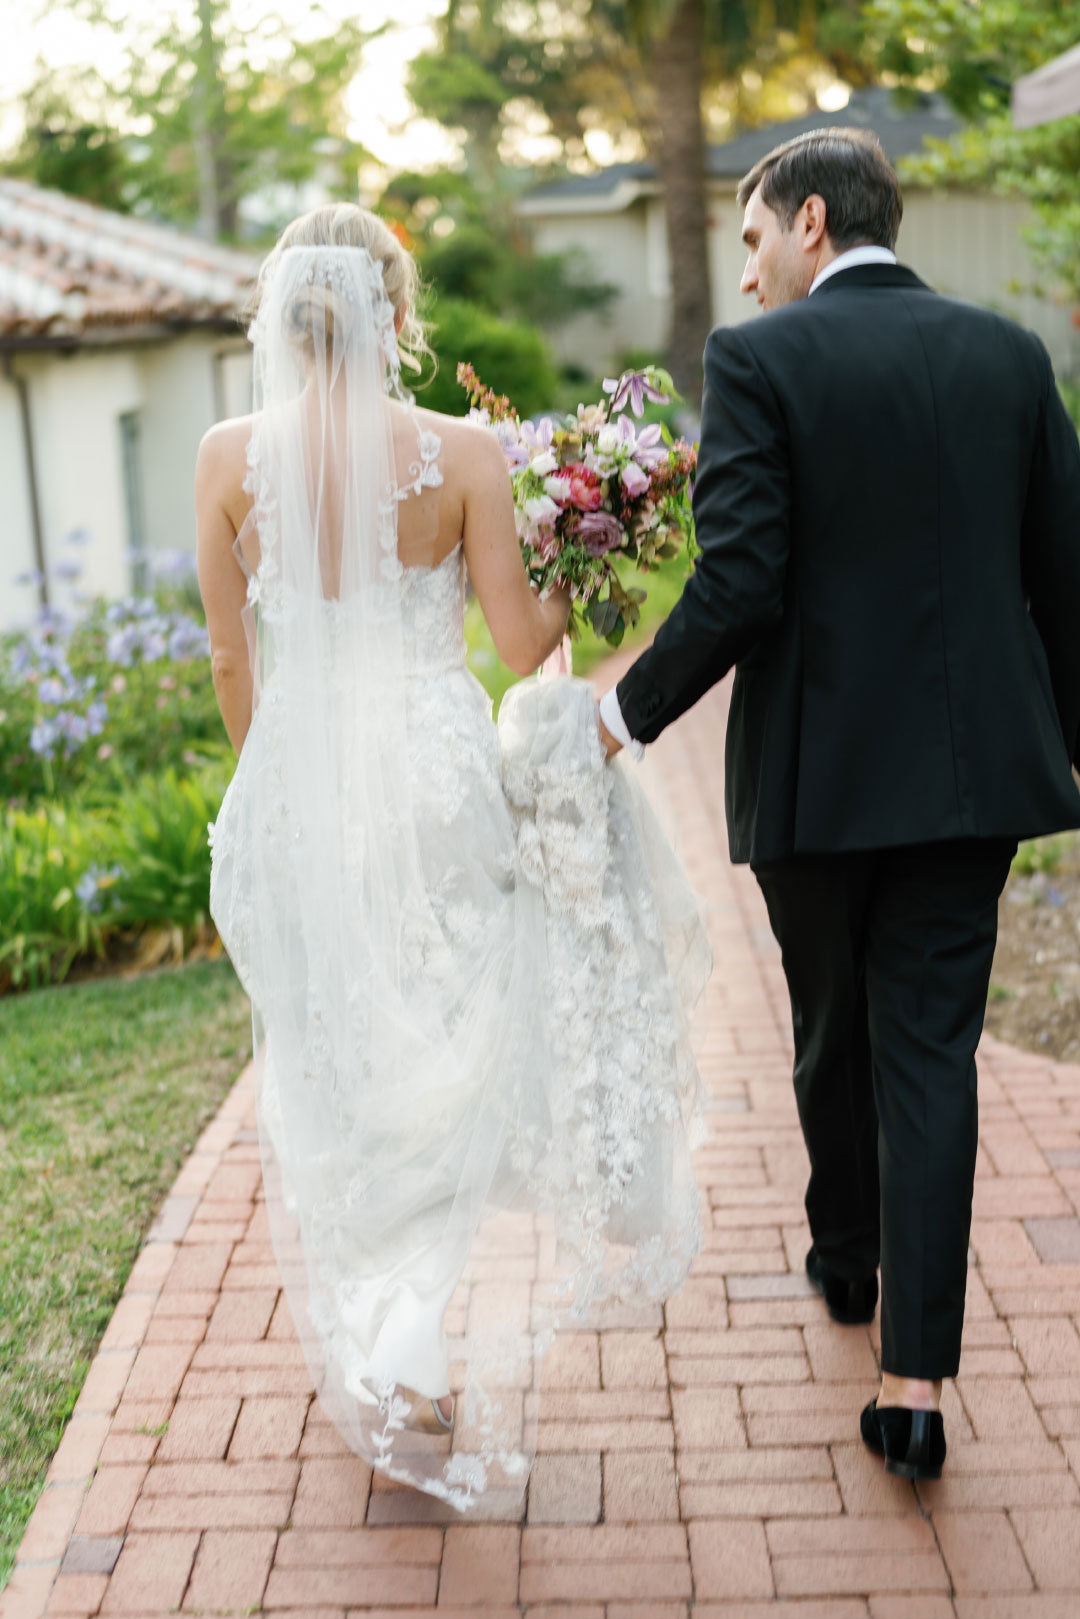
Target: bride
(470, 953)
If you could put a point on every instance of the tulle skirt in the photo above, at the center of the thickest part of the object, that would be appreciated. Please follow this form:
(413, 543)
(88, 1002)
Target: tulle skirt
(493, 1140)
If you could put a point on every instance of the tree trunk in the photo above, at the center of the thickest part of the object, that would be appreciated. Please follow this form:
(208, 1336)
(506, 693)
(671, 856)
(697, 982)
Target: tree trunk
(201, 123)
(677, 146)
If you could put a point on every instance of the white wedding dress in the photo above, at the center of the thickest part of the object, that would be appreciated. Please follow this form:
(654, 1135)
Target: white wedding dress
(471, 955)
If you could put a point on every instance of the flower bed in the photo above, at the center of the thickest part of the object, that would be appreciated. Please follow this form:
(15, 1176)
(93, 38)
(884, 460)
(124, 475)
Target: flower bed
(113, 759)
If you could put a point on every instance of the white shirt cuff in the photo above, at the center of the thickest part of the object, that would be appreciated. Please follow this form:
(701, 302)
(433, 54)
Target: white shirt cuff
(611, 714)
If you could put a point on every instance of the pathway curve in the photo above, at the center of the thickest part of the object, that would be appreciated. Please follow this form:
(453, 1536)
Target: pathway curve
(701, 1459)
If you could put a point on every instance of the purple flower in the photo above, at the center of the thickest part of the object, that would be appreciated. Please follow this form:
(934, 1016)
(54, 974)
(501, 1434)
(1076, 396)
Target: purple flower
(96, 715)
(43, 738)
(74, 730)
(600, 532)
(66, 568)
(187, 640)
(635, 387)
(79, 537)
(634, 480)
(175, 565)
(52, 690)
(90, 886)
(120, 646)
(651, 451)
(30, 576)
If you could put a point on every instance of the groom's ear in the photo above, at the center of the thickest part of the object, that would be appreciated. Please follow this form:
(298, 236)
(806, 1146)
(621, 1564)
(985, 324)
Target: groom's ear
(811, 223)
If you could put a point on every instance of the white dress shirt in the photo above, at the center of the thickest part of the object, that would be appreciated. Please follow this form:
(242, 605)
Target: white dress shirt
(610, 712)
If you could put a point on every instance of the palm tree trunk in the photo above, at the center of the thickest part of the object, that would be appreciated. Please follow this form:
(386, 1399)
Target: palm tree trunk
(677, 146)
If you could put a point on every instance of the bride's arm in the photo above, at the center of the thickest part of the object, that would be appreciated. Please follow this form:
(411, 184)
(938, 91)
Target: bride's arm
(222, 584)
(524, 628)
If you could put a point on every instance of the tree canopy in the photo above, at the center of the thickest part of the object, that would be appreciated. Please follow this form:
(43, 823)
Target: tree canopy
(973, 53)
(205, 112)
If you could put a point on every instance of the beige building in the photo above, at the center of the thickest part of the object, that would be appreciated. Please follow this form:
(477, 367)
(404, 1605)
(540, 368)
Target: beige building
(968, 244)
(119, 346)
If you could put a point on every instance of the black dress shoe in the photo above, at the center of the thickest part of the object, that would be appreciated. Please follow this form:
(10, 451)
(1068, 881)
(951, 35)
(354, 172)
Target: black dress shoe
(850, 1303)
(912, 1442)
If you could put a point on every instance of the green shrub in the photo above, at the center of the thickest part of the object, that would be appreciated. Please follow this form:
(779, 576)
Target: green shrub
(74, 877)
(45, 854)
(158, 840)
(510, 357)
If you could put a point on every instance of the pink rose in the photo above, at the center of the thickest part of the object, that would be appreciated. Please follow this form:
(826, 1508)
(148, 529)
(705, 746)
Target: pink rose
(601, 533)
(585, 490)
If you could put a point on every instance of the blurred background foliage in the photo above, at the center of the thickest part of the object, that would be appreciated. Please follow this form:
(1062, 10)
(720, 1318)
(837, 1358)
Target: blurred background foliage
(224, 119)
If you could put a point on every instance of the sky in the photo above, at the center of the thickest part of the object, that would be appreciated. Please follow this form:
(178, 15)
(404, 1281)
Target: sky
(378, 105)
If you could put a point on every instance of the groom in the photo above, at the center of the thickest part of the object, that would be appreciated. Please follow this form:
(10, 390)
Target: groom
(888, 509)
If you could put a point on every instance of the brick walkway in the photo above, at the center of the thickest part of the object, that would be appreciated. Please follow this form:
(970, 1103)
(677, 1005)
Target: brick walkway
(704, 1459)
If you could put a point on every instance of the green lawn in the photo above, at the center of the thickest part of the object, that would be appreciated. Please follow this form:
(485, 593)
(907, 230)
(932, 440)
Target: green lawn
(104, 1088)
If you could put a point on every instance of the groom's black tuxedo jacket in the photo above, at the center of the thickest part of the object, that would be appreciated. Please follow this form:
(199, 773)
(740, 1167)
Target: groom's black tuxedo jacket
(888, 509)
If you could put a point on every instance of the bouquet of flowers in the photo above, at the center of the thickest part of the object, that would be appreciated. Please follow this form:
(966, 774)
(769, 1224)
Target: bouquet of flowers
(592, 490)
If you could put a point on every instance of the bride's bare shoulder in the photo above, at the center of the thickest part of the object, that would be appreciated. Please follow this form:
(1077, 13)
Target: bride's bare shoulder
(457, 430)
(223, 450)
(463, 441)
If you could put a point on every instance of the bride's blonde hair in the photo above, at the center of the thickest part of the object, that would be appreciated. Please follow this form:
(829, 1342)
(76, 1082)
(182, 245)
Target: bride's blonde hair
(345, 224)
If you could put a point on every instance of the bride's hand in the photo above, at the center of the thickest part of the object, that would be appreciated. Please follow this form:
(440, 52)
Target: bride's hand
(612, 745)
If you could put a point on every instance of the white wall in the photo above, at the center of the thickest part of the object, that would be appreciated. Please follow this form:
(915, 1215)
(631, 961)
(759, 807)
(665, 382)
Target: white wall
(181, 399)
(620, 249)
(178, 388)
(966, 245)
(75, 401)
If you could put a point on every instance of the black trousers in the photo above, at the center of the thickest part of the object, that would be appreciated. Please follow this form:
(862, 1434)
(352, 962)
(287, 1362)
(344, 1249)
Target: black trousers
(887, 956)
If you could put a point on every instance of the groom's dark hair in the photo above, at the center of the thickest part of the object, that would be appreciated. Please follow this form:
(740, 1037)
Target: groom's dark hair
(848, 169)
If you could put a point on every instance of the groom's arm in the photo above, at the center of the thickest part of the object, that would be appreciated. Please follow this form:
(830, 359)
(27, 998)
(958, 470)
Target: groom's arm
(742, 509)
(1051, 551)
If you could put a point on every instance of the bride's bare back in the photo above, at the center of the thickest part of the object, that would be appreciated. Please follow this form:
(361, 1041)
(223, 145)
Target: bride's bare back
(472, 507)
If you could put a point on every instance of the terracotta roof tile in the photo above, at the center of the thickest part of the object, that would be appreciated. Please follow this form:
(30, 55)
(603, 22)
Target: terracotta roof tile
(68, 267)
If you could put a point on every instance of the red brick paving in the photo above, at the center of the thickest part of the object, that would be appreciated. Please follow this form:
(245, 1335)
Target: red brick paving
(701, 1462)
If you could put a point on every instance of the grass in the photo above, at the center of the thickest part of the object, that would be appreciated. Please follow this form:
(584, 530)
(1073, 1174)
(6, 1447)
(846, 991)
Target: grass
(1040, 855)
(664, 588)
(104, 1088)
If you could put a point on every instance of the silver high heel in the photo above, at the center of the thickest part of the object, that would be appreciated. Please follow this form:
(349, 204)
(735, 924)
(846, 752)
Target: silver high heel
(426, 1415)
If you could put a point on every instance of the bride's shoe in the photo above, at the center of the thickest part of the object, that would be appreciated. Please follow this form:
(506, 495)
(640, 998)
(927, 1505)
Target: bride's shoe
(427, 1416)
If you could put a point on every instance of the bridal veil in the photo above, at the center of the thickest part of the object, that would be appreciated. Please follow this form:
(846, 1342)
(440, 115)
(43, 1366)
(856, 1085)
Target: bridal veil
(473, 1074)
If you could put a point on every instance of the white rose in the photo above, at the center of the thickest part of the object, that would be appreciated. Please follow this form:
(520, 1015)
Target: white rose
(543, 464)
(557, 488)
(541, 509)
(607, 439)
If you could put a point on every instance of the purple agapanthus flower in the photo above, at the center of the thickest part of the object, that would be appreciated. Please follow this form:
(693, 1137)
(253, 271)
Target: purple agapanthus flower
(43, 738)
(187, 640)
(90, 886)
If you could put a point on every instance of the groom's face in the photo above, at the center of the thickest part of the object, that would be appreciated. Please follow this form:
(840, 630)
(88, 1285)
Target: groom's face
(778, 270)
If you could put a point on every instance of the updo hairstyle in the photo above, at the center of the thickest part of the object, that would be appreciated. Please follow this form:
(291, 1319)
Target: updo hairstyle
(344, 224)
